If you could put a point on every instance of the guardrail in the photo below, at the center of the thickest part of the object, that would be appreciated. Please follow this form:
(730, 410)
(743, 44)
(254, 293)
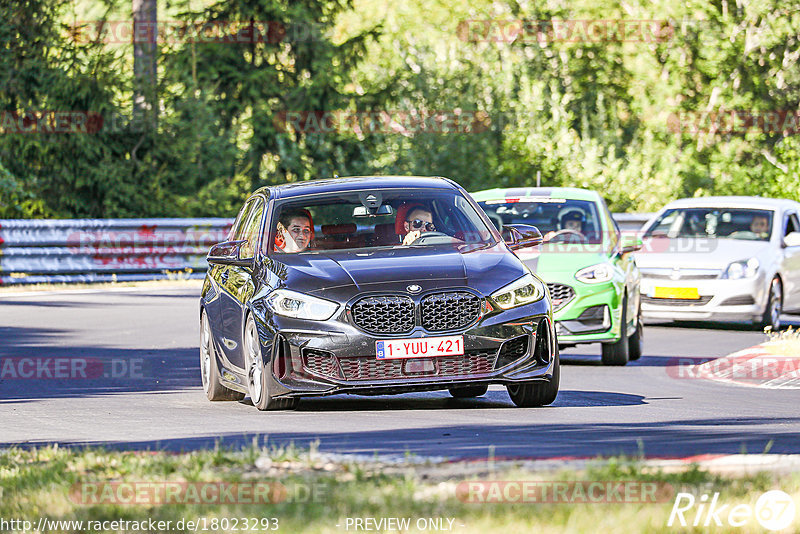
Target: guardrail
(107, 250)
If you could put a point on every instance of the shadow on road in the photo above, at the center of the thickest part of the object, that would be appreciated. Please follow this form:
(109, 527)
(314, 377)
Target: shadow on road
(544, 440)
(37, 363)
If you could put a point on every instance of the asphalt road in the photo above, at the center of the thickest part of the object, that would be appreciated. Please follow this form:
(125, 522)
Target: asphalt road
(137, 385)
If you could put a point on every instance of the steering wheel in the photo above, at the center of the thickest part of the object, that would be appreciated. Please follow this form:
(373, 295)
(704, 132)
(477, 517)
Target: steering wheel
(743, 234)
(568, 233)
(423, 235)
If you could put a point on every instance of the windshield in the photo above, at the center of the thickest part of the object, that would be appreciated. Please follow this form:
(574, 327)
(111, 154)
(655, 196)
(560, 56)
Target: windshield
(739, 223)
(558, 219)
(375, 218)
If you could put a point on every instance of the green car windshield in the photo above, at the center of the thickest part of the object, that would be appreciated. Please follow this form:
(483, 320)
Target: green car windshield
(558, 219)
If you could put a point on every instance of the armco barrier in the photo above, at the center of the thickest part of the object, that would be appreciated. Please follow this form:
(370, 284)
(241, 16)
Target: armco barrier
(102, 250)
(105, 250)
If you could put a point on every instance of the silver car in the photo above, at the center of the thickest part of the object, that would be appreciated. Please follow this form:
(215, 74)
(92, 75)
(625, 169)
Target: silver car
(722, 259)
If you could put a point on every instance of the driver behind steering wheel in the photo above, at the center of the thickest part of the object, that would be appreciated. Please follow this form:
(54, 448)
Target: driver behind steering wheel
(418, 220)
(571, 220)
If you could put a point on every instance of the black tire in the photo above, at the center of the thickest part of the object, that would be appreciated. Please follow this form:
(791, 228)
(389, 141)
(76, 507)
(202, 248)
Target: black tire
(209, 371)
(618, 353)
(636, 341)
(533, 394)
(465, 392)
(258, 375)
(771, 318)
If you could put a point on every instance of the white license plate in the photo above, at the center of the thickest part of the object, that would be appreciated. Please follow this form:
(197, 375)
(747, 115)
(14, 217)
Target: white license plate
(419, 347)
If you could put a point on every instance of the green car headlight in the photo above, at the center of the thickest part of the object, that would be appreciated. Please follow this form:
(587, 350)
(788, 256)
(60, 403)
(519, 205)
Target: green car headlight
(524, 290)
(595, 274)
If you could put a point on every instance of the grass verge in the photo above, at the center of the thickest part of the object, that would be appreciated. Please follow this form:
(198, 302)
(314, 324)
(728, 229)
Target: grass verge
(312, 492)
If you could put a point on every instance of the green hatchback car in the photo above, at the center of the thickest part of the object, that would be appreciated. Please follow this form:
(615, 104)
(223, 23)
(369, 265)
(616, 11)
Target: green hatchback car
(586, 262)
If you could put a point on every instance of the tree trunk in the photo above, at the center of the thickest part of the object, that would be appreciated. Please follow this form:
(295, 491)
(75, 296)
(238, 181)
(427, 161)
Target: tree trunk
(145, 39)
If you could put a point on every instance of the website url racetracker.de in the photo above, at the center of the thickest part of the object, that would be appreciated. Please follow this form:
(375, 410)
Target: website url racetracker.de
(45, 525)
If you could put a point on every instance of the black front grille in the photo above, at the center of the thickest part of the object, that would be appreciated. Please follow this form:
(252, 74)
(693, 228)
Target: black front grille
(560, 294)
(388, 314)
(449, 311)
(473, 362)
(677, 302)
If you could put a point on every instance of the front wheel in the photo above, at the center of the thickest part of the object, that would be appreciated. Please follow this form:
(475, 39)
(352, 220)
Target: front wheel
(636, 341)
(772, 313)
(258, 373)
(618, 353)
(534, 394)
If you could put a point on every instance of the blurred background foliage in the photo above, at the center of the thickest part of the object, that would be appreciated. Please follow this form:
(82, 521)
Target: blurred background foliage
(588, 113)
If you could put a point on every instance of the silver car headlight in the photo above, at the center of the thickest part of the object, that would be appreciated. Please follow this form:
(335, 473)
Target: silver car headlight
(741, 269)
(300, 306)
(524, 290)
(595, 274)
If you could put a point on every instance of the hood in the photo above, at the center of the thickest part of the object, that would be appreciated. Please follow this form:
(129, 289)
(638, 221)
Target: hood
(697, 253)
(561, 259)
(339, 275)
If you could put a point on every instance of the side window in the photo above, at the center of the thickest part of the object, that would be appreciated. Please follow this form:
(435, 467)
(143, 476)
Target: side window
(613, 229)
(237, 230)
(791, 224)
(251, 229)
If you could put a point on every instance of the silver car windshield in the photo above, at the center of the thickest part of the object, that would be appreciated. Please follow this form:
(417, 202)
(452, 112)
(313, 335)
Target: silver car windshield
(392, 218)
(727, 223)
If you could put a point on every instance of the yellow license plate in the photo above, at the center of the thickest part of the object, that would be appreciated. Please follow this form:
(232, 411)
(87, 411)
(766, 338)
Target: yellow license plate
(688, 293)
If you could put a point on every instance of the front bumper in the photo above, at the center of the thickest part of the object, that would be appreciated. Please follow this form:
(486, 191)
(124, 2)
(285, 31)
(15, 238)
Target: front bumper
(720, 300)
(575, 321)
(331, 357)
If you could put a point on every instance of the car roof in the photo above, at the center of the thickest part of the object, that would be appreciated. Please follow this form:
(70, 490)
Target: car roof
(570, 193)
(733, 202)
(356, 183)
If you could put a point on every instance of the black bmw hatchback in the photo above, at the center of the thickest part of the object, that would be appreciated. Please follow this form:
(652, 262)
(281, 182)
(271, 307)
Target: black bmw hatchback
(373, 286)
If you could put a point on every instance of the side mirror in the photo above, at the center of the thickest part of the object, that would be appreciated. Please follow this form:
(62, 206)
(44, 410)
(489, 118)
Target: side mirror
(630, 243)
(792, 239)
(519, 236)
(229, 253)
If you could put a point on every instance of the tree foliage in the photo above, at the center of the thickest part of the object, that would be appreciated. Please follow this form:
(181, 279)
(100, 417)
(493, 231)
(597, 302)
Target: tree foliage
(596, 113)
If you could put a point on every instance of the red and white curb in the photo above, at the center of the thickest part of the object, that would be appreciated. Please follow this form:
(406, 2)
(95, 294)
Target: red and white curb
(763, 366)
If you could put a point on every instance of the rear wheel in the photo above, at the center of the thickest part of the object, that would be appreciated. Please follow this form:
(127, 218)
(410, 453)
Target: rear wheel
(209, 370)
(772, 313)
(533, 394)
(636, 341)
(468, 391)
(618, 353)
(258, 373)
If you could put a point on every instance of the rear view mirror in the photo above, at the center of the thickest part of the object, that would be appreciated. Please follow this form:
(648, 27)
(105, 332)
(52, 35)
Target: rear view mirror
(364, 211)
(519, 236)
(229, 253)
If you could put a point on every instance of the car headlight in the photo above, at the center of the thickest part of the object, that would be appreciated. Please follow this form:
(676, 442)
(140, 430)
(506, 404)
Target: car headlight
(301, 306)
(602, 272)
(741, 269)
(524, 290)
